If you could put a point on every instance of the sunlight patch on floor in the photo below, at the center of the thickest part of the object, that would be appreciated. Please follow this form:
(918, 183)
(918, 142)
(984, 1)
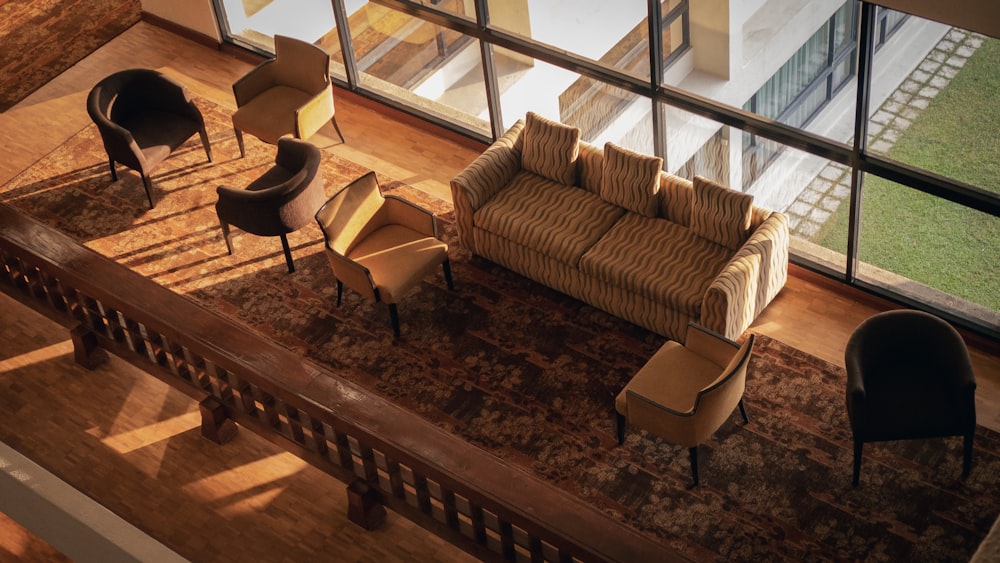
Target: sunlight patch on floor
(44, 354)
(131, 440)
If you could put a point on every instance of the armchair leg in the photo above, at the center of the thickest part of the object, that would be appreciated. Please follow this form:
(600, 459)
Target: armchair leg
(620, 427)
(239, 141)
(743, 411)
(967, 454)
(228, 238)
(288, 254)
(340, 291)
(114, 173)
(693, 454)
(858, 446)
(446, 266)
(204, 142)
(394, 318)
(149, 189)
(337, 127)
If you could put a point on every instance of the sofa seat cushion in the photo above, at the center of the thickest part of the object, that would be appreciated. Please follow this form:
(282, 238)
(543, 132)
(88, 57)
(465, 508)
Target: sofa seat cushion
(561, 222)
(658, 259)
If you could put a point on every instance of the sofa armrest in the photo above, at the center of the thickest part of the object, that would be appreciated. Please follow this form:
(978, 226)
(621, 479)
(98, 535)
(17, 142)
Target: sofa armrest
(750, 281)
(484, 177)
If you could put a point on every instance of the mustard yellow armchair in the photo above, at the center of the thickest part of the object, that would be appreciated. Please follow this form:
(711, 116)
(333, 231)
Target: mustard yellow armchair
(380, 246)
(684, 393)
(290, 94)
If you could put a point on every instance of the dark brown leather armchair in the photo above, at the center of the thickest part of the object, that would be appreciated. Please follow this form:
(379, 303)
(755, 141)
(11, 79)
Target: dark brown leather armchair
(284, 199)
(143, 116)
(909, 376)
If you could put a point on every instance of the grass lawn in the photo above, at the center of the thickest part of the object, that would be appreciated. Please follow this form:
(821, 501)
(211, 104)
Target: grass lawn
(931, 240)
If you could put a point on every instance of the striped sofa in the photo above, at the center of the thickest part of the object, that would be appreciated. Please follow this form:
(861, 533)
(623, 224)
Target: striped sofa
(610, 228)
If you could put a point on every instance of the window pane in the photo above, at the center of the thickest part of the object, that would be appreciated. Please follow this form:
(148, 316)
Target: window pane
(926, 247)
(602, 112)
(775, 61)
(425, 66)
(256, 23)
(945, 113)
(615, 33)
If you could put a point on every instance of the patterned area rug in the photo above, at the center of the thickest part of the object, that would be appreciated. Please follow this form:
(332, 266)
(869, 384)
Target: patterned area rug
(530, 375)
(42, 38)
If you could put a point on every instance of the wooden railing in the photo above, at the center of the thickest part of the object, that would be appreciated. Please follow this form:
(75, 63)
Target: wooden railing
(458, 491)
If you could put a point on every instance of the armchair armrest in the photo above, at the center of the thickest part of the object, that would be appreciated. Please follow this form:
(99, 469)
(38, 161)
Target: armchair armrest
(409, 214)
(251, 84)
(750, 281)
(484, 177)
(710, 345)
(314, 114)
(352, 274)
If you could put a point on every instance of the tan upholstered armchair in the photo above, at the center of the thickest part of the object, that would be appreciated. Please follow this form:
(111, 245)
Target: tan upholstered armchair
(143, 116)
(282, 200)
(380, 246)
(290, 94)
(684, 393)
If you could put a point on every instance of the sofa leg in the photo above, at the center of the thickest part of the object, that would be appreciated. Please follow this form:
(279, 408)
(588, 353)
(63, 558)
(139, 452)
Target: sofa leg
(693, 454)
(394, 318)
(446, 266)
(743, 411)
(858, 446)
(114, 173)
(340, 291)
(620, 427)
(967, 454)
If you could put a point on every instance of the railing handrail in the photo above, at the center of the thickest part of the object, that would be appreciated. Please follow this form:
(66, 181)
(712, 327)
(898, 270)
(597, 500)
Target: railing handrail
(34, 254)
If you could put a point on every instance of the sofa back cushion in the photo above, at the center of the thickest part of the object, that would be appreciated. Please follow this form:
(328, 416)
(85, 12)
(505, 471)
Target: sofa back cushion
(631, 180)
(720, 214)
(590, 168)
(676, 195)
(550, 149)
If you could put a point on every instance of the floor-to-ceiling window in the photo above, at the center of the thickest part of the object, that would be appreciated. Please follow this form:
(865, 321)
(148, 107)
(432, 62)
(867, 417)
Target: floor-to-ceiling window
(762, 96)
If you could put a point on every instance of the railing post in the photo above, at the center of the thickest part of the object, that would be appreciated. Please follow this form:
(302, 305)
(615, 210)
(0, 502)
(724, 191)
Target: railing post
(364, 507)
(86, 350)
(215, 425)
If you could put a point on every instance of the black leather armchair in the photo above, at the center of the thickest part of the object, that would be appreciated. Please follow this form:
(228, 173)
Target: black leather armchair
(909, 376)
(143, 116)
(284, 199)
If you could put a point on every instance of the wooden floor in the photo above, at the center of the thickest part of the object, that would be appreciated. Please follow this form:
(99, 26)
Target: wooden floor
(132, 443)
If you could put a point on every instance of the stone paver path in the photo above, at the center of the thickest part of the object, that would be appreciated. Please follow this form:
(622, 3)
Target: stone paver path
(818, 202)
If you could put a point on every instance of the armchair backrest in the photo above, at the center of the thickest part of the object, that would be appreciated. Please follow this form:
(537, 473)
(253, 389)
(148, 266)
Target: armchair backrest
(284, 199)
(119, 97)
(300, 64)
(351, 214)
(712, 407)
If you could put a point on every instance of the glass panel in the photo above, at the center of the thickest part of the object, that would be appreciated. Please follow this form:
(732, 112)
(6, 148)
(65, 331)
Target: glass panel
(908, 236)
(256, 22)
(602, 112)
(464, 8)
(425, 66)
(776, 62)
(614, 33)
(945, 113)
